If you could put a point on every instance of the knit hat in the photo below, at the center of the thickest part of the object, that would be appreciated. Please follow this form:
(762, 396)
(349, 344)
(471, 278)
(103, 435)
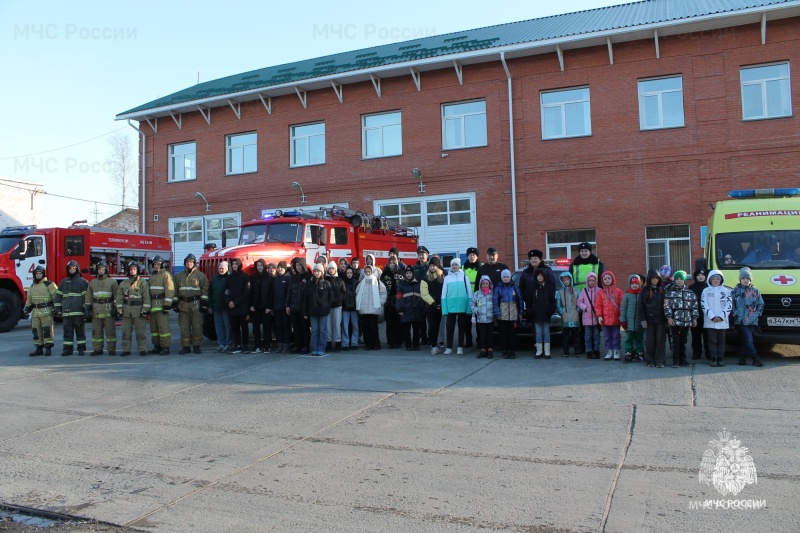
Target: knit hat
(634, 278)
(318, 266)
(665, 271)
(505, 273)
(409, 268)
(745, 273)
(331, 264)
(584, 246)
(536, 253)
(679, 274)
(224, 264)
(394, 251)
(455, 261)
(282, 264)
(321, 260)
(436, 261)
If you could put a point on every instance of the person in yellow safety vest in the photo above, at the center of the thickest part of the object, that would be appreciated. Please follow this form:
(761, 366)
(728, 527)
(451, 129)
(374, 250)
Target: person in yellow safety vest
(41, 298)
(162, 292)
(70, 299)
(133, 303)
(101, 309)
(191, 304)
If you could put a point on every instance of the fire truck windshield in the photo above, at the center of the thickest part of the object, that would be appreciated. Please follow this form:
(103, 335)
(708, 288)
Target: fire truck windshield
(759, 249)
(283, 232)
(8, 242)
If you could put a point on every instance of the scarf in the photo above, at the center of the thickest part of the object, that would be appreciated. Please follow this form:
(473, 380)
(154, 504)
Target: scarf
(376, 295)
(485, 290)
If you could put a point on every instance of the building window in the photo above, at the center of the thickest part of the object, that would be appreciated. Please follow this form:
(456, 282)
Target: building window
(464, 125)
(241, 153)
(564, 244)
(381, 135)
(661, 103)
(182, 161)
(307, 145)
(448, 212)
(669, 245)
(766, 92)
(566, 113)
(187, 231)
(216, 226)
(408, 214)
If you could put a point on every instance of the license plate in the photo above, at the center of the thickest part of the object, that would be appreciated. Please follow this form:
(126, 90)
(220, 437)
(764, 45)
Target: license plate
(783, 321)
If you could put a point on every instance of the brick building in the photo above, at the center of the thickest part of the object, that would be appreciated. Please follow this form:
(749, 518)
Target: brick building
(627, 122)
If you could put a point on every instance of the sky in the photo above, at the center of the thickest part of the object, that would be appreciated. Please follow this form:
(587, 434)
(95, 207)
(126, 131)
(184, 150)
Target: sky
(70, 67)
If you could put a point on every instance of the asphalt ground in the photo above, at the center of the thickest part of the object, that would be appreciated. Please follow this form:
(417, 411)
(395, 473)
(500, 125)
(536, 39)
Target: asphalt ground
(393, 441)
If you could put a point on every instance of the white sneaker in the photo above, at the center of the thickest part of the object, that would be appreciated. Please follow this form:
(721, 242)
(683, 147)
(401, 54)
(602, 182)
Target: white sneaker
(448, 351)
(607, 357)
(460, 351)
(434, 351)
(616, 355)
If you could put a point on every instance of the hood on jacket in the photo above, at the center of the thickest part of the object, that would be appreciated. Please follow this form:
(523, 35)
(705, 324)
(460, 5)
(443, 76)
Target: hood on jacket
(715, 273)
(613, 279)
(566, 274)
(255, 268)
(541, 271)
(487, 278)
(702, 271)
(299, 265)
(652, 273)
(374, 264)
(592, 275)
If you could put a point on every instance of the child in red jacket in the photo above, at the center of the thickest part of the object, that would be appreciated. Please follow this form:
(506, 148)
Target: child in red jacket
(608, 306)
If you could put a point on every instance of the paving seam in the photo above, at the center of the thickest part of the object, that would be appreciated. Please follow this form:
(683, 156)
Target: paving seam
(462, 378)
(624, 454)
(256, 462)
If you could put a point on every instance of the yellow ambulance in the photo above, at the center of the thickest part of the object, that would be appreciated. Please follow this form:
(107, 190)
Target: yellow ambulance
(760, 229)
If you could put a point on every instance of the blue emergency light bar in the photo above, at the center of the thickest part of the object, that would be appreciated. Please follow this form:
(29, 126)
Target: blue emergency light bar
(18, 229)
(764, 193)
(277, 213)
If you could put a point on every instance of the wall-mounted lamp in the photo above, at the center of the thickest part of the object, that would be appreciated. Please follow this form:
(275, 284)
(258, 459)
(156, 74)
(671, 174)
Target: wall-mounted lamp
(417, 173)
(302, 194)
(200, 196)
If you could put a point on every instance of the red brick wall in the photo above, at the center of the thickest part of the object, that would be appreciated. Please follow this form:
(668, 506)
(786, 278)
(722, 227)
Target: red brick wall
(618, 180)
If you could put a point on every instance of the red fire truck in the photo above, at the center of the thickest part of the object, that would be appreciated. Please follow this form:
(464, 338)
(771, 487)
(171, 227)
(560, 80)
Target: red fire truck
(334, 233)
(23, 248)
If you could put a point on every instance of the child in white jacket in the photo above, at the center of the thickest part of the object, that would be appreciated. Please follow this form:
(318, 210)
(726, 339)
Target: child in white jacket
(716, 304)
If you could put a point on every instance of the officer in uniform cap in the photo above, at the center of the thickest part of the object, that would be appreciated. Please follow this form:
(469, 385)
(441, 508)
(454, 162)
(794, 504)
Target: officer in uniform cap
(39, 304)
(101, 308)
(191, 288)
(162, 291)
(133, 303)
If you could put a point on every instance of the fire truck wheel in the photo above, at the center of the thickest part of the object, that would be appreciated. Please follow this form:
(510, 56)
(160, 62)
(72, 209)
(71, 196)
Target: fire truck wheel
(10, 310)
(209, 330)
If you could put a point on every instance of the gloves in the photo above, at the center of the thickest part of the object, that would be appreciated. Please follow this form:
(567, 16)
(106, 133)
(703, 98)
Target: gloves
(87, 313)
(624, 325)
(644, 324)
(144, 313)
(203, 306)
(58, 313)
(175, 306)
(27, 309)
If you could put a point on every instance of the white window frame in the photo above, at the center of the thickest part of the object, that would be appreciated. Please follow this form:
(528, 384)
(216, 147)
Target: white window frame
(763, 83)
(229, 149)
(568, 246)
(175, 158)
(660, 95)
(667, 241)
(461, 119)
(293, 137)
(203, 230)
(448, 212)
(562, 105)
(365, 129)
(399, 218)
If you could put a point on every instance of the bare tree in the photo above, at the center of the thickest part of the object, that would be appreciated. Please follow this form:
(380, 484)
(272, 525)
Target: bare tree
(122, 166)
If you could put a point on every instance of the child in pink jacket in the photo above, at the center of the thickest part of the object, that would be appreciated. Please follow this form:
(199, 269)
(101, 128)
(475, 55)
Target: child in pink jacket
(586, 303)
(608, 305)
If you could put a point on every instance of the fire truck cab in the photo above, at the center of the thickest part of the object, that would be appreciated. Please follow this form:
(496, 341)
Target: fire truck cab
(334, 233)
(23, 248)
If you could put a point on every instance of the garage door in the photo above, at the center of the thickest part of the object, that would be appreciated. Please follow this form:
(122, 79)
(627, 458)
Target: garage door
(446, 223)
(190, 234)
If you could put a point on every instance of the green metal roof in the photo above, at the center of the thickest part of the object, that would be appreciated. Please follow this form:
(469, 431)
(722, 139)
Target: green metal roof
(620, 17)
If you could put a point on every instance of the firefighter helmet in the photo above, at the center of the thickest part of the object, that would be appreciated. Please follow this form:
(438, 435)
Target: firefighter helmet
(157, 259)
(39, 268)
(101, 264)
(131, 265)
(191, 258)
(73, 263)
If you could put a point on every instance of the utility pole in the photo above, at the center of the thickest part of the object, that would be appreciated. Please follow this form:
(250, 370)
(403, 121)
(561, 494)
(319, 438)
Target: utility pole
(96, 214)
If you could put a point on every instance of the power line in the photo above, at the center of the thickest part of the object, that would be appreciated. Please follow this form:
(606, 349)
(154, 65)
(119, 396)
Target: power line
(38, 191)
(63, 147)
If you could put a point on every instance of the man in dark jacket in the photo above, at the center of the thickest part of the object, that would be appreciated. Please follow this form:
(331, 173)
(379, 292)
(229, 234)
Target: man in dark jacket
(391, 277)
(492, 267)
(261, 285)
(654, 322)
(280, 290)
(294, 306)
(237, 300)
(410, 308)
(699, 332)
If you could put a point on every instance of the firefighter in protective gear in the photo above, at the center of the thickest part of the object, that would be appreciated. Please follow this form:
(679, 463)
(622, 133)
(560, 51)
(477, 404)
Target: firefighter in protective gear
(162, 292)
(191, 288)
(70, 299)
(101, 310)
(40, 302)
(133, 303)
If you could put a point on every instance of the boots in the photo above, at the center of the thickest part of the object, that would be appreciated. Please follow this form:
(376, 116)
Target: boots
(337, 347)
(538, 351)
(616, 355)
(153, 351)
(164, 351)
(547, 350)
(66, 352)
(38, 351)
(48, 351)
(720, 361)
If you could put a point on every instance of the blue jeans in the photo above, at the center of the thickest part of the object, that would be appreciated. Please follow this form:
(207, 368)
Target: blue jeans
(349, 320)
(319, 333)
(222, 324)
(542, 332)
(591, 336)
(746, 332)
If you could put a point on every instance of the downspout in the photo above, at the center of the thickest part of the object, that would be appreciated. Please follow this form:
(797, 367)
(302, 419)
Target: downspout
(144, 172)
(511, 158)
